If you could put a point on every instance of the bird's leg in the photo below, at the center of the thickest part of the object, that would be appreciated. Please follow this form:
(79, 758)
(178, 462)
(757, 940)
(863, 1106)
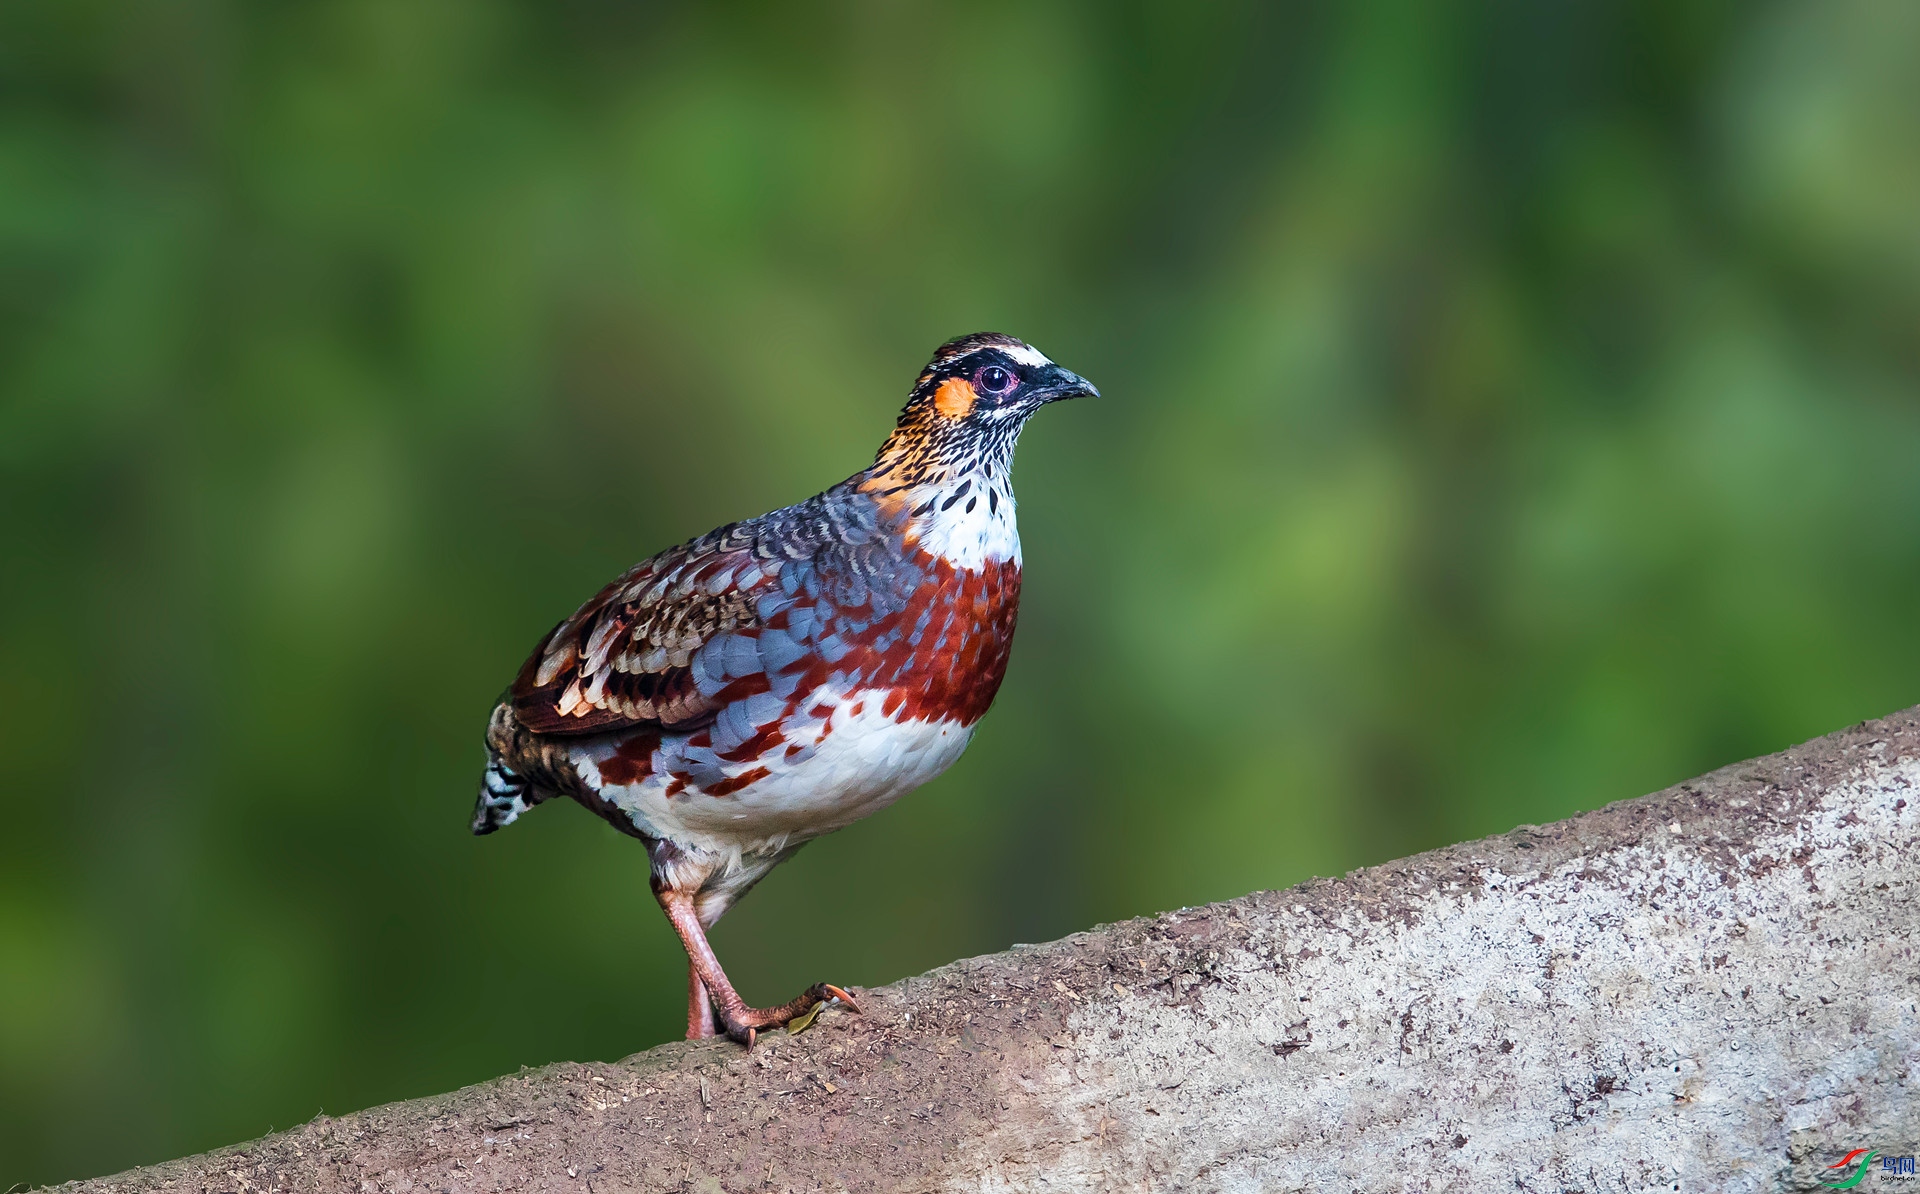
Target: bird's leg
(699, 1007)
(742, 1023)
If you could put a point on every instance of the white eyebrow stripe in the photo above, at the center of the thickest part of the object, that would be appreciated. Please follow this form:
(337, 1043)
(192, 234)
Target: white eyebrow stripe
(1030, 357)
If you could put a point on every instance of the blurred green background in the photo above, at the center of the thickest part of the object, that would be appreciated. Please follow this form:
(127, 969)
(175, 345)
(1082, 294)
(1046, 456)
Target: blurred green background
(1510, 408)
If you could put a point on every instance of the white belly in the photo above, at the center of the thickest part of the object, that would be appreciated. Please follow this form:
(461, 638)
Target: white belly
(851, 762)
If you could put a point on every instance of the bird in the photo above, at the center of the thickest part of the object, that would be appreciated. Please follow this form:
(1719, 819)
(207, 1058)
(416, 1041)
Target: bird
(773, 680)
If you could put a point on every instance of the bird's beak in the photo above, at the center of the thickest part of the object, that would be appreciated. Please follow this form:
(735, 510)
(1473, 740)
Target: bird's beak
(1056, 383)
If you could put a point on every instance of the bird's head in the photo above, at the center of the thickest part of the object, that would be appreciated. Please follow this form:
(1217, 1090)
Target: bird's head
(968, 406)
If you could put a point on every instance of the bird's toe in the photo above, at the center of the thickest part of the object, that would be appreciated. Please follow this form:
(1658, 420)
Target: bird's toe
(823, 992)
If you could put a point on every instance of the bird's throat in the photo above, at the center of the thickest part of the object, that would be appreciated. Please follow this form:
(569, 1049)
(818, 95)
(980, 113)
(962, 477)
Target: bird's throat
(966, 519)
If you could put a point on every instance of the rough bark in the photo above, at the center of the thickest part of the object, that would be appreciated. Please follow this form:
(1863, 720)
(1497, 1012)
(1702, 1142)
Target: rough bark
(1713, 987)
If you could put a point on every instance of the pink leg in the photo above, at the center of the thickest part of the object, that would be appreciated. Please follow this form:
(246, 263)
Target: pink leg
(705, 977)
(699, 1008)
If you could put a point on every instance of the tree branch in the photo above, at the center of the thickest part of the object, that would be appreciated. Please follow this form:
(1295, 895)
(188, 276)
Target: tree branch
(1714, 986)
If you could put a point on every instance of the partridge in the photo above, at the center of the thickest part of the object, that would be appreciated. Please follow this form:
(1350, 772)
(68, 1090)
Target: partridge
(732, 698)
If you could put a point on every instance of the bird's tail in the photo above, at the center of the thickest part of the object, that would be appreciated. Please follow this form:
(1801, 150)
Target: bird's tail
(504, 792)
(504, 795)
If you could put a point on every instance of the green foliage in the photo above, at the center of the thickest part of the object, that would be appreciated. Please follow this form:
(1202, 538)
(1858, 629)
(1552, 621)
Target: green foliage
(1510, 408)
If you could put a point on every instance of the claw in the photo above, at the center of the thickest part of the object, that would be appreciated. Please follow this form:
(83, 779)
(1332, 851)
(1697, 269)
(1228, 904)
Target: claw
(743, 1023)
(710, 997)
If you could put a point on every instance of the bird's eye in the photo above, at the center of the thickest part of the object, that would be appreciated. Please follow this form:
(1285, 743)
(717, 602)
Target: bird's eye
(993, 380)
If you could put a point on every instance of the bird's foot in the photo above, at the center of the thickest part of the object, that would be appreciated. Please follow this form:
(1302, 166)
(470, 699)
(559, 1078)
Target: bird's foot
(744, 1023)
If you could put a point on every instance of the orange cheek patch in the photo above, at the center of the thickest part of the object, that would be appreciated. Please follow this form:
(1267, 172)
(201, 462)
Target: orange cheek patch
(954, 398)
